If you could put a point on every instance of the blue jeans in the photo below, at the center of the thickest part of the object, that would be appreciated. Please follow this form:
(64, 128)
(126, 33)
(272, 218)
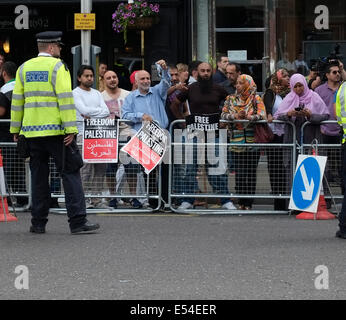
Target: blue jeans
(218, 182)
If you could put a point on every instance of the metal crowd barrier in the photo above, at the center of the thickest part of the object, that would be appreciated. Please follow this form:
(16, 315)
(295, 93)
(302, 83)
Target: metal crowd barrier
(17, 177)
(102, 183)
(16, 171)
(207, 186)
(106, 182)
(210, 181)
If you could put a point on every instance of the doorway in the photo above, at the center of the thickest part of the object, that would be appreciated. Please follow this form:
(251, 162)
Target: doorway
(241, 32)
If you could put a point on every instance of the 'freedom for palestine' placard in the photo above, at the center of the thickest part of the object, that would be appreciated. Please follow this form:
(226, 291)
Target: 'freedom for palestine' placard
(100, 141)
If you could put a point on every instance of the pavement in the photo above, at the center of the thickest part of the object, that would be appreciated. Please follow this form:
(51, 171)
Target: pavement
(172, 256)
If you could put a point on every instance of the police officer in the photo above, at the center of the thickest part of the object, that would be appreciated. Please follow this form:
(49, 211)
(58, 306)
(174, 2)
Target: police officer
(340, 108)
(43, 90)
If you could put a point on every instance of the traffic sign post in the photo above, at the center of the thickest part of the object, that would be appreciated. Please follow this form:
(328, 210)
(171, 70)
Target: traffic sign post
(307, 183)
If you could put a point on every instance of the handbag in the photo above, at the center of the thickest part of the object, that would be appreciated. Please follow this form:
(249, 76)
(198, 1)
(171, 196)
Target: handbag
(23, 147)
(263, 133)
(72, 159)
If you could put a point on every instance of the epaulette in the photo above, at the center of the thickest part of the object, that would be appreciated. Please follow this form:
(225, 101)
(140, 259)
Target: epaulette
(65, 65)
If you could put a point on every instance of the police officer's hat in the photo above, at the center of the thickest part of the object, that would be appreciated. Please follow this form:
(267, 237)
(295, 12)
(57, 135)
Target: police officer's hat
(50, 37)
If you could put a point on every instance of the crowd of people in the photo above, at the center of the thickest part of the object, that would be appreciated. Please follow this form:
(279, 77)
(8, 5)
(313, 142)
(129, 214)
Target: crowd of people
(287, 97)
(187, 89)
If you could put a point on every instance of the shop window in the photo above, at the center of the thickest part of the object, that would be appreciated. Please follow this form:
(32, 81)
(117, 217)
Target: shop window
(314, 28)
(239, 13)
(252, 42)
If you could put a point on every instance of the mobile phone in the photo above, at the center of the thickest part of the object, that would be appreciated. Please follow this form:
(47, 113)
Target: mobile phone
(299, 108)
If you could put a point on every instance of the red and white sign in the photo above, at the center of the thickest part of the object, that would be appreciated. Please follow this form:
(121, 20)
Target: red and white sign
(148, 146)
(100, 143)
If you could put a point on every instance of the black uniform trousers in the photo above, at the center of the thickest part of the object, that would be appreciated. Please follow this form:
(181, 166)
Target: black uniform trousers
(40, 151)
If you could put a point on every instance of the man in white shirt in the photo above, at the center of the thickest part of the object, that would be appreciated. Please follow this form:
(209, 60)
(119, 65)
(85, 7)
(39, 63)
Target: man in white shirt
(113, 95)
(114, 98)
(90, 104)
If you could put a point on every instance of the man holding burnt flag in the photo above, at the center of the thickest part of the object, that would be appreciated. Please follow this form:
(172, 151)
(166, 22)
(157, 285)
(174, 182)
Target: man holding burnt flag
(148, 103)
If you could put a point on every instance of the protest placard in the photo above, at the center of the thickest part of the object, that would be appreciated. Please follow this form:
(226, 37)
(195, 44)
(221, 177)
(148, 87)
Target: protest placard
(100, 141)
(202, 123)
(148, 146)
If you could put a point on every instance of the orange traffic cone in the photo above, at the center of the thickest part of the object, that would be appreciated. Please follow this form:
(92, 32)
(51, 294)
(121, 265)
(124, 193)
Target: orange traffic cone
(321, 214)
(5, 215)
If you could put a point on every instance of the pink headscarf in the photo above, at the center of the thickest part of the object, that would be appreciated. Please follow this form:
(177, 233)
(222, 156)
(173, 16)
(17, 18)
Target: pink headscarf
(309, 98)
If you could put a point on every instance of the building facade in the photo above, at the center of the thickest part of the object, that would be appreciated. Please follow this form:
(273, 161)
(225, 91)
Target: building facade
(168, 38)
(262, 34)
(256, 33)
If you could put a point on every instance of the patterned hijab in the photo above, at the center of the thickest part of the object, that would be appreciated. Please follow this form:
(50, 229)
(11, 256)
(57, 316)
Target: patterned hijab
(277, 86)
(244, 100)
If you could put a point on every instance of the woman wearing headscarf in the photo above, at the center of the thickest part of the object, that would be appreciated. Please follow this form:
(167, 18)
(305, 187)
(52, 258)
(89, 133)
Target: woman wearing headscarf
(300, 105)
(245, 104)
(277, 90)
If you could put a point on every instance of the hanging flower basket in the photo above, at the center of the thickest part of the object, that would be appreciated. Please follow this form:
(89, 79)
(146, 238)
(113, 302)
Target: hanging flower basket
(138, 15)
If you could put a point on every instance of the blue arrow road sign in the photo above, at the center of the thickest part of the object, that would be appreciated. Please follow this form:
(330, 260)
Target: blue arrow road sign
(306, 183)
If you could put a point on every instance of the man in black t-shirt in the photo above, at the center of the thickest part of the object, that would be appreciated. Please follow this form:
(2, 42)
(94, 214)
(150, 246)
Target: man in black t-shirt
(203, 98)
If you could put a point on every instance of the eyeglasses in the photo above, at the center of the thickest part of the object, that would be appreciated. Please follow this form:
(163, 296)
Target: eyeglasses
(336, 71)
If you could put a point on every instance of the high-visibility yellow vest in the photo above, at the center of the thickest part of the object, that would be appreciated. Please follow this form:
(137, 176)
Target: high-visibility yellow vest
(42, 100)
(340, 109)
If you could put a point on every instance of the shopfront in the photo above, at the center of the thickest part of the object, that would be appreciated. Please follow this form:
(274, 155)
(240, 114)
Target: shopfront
(314, 28)
(21, 20)
(258, 34)
(262, 34)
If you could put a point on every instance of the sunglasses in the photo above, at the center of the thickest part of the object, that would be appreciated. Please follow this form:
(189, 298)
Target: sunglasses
(335, 72)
